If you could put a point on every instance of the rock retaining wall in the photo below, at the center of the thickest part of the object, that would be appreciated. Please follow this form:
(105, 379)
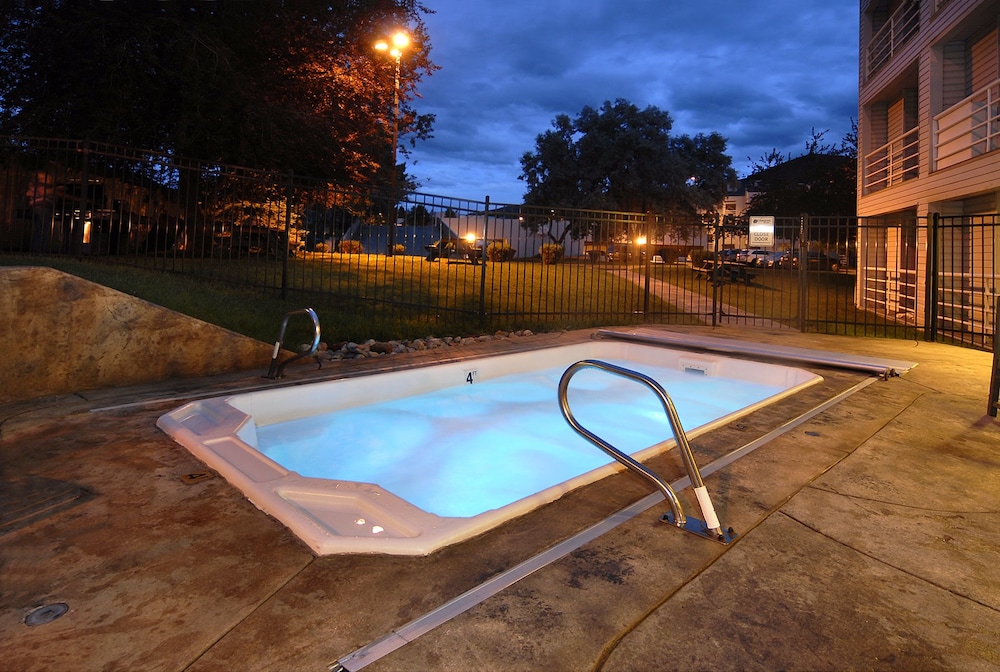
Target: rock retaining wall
(63, 334)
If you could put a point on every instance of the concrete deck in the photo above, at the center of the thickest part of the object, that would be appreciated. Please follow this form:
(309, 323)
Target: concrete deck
(867, 539)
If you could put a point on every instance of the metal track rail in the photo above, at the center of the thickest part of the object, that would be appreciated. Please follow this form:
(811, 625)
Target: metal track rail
(408, 632)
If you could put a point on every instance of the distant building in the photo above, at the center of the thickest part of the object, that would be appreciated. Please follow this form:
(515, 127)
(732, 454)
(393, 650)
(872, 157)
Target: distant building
(508, 227)
(929, 131)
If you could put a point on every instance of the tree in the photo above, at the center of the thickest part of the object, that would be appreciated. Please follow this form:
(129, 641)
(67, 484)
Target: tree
(622, 158)
(265, 85)
(769, 160)
(821, 181)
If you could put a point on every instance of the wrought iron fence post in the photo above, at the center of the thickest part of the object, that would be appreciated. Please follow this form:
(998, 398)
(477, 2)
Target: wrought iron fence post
(482, 265)
(715, 276)
(803, 263)
(76, 234)
(645, 267)
(931, 279)
(289, 194)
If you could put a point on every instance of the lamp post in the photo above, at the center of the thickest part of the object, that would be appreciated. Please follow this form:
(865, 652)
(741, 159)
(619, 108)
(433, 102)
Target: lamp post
(394, 47)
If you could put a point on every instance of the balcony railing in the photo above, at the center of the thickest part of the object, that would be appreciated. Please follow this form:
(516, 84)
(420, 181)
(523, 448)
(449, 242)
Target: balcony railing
(893, 162)
(897, 31)
(969, 129)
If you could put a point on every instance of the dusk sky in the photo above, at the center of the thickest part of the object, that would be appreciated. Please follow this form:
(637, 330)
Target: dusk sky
(763, 74)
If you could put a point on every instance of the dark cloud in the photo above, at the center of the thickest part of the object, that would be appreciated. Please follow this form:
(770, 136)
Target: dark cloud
(764, 75)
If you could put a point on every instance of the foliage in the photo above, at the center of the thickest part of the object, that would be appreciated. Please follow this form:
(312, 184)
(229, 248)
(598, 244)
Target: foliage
(769, 160)
(551, 252)
(822, 181)
(350, 247)
(419, 215)
(622, 158)
(264, 85)
(501, 251)
(699, 255)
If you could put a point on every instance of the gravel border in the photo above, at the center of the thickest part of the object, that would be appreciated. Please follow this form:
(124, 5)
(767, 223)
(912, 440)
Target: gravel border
(373, 348)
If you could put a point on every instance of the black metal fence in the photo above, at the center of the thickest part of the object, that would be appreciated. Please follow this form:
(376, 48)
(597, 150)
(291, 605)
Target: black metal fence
(433, 259)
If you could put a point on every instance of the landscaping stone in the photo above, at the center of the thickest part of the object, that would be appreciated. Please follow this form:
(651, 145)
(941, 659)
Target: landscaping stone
(373, 348)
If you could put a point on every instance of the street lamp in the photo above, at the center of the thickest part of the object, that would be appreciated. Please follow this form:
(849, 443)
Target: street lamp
(394, 47)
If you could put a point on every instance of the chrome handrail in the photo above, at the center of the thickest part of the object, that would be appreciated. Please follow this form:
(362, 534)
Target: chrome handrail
(710, 527)
(275, 371)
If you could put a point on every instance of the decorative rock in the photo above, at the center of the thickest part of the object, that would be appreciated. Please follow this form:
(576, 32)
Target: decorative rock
(372, 348)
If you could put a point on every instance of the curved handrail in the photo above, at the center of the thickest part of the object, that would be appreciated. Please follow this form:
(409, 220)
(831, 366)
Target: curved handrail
(276, 369)
(711, 521)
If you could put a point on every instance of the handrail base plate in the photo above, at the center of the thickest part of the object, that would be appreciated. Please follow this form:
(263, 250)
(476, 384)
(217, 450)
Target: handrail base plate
(697, 527)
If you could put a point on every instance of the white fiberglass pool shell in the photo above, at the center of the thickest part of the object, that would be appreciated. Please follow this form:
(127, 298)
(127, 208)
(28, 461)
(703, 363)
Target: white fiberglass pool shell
(343, 516)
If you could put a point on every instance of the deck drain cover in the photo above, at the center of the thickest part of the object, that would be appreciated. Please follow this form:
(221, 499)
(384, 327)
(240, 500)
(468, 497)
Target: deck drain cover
(46, 614)
(197, 477)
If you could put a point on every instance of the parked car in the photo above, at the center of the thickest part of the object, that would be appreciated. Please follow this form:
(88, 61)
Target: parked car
(754, 257)
(768, 260)
(815, 261)
(729, 255)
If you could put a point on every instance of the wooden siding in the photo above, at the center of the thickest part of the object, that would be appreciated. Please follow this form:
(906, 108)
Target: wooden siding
(976, 176)
(954, 74)
(932, 26)
(878, 126)
(984, 204)
(896, 124)
(930, 56)
(983, 58)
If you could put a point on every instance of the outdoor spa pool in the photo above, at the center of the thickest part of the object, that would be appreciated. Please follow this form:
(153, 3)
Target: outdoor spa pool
(408, 461)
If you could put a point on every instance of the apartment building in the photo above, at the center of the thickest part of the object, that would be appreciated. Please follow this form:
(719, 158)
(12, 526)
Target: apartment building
(929, 135)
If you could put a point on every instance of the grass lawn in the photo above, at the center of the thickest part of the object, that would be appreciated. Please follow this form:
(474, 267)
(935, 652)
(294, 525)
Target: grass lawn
(402, 297)
(369, 296)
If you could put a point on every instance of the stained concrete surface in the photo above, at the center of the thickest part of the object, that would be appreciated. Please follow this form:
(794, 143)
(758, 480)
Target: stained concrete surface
(866, 541)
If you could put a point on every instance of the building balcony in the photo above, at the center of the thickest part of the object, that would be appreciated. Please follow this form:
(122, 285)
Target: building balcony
(968, 129)
(890, 38)
(894, 162)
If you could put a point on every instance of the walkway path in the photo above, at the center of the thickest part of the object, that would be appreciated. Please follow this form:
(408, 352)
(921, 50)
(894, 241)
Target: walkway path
(695, 303)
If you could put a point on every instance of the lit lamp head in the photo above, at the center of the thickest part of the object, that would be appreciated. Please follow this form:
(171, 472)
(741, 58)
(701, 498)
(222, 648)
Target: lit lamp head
(394, 47)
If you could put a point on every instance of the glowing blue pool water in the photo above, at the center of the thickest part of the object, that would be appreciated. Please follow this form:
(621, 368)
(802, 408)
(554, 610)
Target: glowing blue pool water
(413, 459)
(463, 450)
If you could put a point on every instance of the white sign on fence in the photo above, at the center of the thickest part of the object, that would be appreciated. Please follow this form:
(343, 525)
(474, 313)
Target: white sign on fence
(762, 231)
